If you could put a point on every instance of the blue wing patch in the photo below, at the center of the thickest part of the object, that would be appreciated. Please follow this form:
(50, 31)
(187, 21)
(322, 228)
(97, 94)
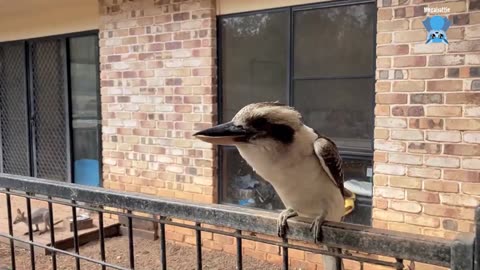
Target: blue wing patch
(436, 27)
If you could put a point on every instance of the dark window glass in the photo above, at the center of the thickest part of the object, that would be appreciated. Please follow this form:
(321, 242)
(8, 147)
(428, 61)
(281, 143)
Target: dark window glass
(335, 41)
(254, 69)
(254, 66)
(330, 54)
(85, 120)
(340, 109)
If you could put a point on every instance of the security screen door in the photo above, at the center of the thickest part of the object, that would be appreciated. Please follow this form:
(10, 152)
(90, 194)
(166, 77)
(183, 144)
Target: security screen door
(40, 81)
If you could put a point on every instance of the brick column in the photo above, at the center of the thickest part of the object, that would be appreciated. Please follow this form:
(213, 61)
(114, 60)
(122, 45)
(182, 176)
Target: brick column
(427, 135)
(158, 87)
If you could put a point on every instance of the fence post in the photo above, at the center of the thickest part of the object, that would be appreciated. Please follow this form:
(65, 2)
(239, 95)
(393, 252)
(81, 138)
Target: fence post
(476, 248)
(462, 252)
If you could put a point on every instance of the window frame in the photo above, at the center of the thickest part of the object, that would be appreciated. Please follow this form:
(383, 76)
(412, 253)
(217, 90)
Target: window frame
(65, 51)
(290, 74)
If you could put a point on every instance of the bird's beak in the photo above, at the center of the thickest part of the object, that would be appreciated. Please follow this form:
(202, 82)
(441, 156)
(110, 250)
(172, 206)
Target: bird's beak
(223, 134)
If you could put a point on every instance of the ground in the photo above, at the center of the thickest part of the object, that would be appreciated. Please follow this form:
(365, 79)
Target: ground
(147, 257)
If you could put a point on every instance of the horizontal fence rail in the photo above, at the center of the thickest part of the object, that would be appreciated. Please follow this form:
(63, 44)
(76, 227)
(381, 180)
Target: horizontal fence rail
(457, 254)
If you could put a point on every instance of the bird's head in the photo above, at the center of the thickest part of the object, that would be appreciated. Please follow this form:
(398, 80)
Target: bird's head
(256, 123)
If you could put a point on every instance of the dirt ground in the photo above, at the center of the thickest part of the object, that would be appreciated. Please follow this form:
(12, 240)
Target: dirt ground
(147, 256)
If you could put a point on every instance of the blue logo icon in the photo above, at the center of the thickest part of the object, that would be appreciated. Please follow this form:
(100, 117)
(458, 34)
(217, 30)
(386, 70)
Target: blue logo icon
(437, 27)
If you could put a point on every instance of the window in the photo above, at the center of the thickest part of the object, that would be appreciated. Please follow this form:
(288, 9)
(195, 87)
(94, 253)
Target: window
(319, 59)
(49, 117)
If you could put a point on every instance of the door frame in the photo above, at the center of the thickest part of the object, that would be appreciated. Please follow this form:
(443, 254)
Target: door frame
(65, 57)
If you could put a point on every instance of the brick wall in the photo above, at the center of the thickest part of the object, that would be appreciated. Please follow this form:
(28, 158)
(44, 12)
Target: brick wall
(158, 86)
(427, 134)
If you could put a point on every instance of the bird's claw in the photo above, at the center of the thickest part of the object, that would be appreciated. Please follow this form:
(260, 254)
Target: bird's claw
(316, 228)
(282, 225)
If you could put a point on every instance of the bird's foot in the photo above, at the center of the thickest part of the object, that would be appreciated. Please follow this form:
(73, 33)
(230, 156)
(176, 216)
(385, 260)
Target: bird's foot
(282, 225)
(316, 227)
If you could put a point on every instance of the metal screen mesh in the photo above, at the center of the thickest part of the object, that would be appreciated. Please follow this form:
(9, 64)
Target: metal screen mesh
(48, 82)
(13, 110)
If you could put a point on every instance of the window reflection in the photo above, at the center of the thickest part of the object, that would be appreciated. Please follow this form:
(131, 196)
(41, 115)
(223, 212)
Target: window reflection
(254, 66)
(85, 116)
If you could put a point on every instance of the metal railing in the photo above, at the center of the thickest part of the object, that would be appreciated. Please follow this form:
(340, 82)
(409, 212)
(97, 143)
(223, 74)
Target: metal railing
(457, 254)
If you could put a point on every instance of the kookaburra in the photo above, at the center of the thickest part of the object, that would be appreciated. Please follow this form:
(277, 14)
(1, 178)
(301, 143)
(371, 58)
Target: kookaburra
(303, 166)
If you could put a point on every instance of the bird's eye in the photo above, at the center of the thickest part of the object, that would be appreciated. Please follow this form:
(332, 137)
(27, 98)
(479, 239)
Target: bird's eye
(441, 35)
(433, 35)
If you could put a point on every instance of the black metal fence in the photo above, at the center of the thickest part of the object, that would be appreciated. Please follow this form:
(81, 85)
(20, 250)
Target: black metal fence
(460, 254)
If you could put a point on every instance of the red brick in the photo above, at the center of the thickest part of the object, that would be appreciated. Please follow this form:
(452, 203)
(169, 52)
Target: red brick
(382, 110)
(424, 148)
(410, 61)
(405, 182)
(462, 149)
(462, 175)
(385, 14)
(391, 98)
(441, 161)
(399, 227)
(446, 60)
(175, 45)
(408, 111)
(422, 172)
(380, 203)
(448, 211)
(471, 188)
(387, 215)
(422, 196)
(409, 86)
(463, 98)
(458, 200)
(426, 98)
(409, 36)
(426, 123)
(384, 38)
(422, 220)
(427, 73)
(445, 85)
(404, 206)
(445, 111)
(463, 124)
(392, 50)
(440, 186)
(388, 26)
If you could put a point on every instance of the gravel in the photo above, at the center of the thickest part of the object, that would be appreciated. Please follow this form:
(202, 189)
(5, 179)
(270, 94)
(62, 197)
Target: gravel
(147, 252)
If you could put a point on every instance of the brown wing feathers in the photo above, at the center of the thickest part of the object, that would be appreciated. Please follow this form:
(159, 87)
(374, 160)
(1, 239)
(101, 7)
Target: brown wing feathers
(327, 152)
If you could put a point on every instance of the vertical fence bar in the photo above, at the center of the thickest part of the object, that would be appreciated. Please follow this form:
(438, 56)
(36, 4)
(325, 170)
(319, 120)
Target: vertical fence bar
(102, 237)
(52, 233)
(163, 250)
(477, 239)
(30, 232)
(239, 251)
(462, 251)
(285, 255)
(131, 252)
(10, 230)
(198, 242)
(399, 264)
(75, 235)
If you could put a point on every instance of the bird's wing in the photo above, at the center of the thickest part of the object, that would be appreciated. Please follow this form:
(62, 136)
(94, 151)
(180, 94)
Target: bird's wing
(329, 157)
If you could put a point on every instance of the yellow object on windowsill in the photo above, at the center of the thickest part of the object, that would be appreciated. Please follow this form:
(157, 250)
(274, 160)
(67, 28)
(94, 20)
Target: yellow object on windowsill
(349, 202)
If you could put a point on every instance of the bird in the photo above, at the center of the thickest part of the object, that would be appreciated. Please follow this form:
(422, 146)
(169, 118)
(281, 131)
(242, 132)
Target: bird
(303, 166)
